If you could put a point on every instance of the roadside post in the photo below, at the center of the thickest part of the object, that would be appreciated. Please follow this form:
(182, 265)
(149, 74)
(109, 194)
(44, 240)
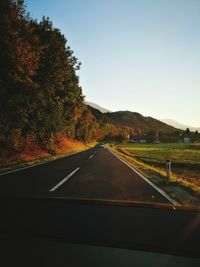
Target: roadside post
(168, 169)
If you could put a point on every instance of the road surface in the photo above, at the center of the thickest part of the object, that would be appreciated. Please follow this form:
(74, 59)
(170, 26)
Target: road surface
(43, 225)
(95, 173)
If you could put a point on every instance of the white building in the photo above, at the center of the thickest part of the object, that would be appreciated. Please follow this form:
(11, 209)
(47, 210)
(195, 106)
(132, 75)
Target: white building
(186, 139)
(143, 140)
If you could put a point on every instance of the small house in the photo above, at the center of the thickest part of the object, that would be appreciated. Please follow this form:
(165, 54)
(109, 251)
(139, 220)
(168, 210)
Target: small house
(143, 140)
(186, 139)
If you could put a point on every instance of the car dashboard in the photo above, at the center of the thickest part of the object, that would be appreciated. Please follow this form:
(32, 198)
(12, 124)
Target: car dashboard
(80, 232)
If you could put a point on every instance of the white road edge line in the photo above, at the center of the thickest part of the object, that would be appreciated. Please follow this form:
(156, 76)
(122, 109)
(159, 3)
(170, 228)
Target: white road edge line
(64, 180)
(91, 156)
(174, 202)
(34, 165)
(27, 167)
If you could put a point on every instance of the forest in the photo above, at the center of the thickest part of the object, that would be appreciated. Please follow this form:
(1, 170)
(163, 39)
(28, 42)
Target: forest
(40, 94)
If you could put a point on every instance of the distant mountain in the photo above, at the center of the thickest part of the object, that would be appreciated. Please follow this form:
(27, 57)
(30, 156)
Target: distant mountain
(133, 120)
(137, 121)
(93, 105)
(179, 125)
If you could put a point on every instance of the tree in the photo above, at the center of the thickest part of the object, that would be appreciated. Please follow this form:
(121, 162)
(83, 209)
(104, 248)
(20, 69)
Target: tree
(19, 60)
(87, 127)
(196, 136)
(60, 98)
(187, 132)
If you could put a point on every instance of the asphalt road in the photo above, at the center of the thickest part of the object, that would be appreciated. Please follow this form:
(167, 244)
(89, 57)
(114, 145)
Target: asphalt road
(95, 173)
(50, 224)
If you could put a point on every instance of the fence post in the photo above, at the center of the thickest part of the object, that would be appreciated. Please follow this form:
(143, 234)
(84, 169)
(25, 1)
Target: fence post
(168, 169)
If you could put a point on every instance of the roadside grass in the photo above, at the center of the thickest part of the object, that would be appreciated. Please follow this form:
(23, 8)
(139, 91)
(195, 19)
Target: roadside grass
(195, 146)
(33, 154)
(178, 153)
(149, 160)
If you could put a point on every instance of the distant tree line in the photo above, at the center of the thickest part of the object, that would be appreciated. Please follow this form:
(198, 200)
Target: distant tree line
(193, 136)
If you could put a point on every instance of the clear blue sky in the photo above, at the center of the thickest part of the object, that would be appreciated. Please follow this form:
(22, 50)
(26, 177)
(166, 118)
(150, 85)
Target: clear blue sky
(138, 55)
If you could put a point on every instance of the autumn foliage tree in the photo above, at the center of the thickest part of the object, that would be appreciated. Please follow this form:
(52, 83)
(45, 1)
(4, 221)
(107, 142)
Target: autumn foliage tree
(19, 61)
(39, 88)
(60, 96)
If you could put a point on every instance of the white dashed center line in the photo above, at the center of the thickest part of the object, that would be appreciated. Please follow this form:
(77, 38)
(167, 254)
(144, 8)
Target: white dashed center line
(64, 180)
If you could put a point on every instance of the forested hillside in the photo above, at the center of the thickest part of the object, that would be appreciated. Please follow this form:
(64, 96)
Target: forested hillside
(39, 88)
(138, 121)
(40, 95)
(135, 126)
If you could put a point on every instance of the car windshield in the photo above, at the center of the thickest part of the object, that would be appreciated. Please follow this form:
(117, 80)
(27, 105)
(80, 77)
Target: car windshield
(99, 100)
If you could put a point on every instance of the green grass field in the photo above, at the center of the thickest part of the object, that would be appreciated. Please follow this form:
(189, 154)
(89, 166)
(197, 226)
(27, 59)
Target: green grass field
(178, 153)
(150, 160)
